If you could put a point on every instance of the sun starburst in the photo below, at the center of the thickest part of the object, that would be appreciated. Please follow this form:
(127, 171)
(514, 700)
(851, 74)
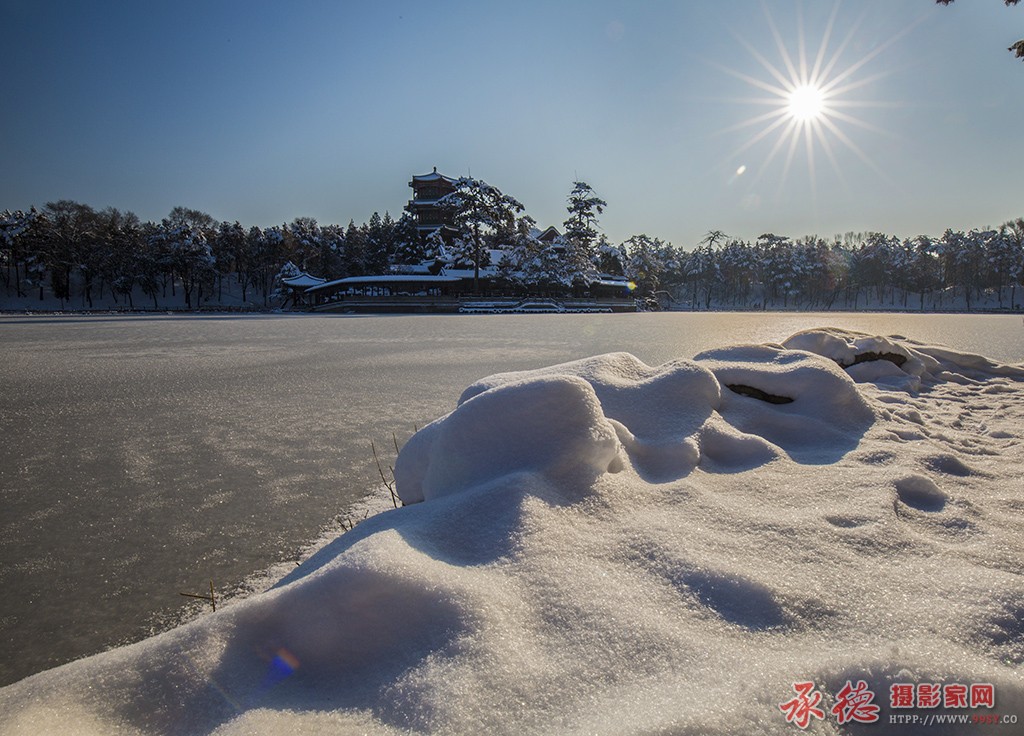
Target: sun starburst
(806, 102)
(809, 97)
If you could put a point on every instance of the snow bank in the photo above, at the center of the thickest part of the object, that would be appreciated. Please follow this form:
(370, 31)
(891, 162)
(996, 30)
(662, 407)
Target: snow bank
(896, 360)
(608, 547)
(551, 425)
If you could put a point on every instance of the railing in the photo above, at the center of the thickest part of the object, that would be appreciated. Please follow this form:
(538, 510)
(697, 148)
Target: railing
(538, 305)
(356, 303)
(474, 304)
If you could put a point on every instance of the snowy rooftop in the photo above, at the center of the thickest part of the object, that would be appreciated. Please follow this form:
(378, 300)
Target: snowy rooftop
(623, 283)
(386, 279)
(467, 273)
(607, 547)
(433, 176)
(413, 268)
(303, 280)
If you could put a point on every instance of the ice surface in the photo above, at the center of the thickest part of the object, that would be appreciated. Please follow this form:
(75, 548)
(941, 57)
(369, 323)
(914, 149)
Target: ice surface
(608, 547)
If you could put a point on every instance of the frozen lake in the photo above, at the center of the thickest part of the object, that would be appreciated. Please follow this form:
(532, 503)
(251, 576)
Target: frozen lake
(143, 456)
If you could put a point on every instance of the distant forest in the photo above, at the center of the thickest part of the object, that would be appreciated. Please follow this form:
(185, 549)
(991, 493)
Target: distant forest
(72, 252)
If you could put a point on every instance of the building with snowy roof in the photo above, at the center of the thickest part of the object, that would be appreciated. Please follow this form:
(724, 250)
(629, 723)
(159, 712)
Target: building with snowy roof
(452, 290)
(447, 283)
(427, 192)
(295, 284)
(549, 235)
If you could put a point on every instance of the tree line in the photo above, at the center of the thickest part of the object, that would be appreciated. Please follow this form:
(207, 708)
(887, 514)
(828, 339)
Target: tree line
(67, 246)
(849, 271)
(67, 243)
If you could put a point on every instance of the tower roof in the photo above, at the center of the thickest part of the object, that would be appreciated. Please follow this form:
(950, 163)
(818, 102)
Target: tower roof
(433, 176)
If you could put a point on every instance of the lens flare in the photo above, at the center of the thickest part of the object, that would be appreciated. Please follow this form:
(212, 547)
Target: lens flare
(281, 667)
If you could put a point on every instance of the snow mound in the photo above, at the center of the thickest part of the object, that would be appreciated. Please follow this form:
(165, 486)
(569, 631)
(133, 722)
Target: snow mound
(896, 360)
(732, 408)
(612, 548)
(551, 425)
(657, 412)
(798, 402)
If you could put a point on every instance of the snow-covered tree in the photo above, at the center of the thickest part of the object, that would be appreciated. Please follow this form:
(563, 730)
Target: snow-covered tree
(523, 263)
(303, 242)
(584, 207)
(738, 270)
(1013, 236)
(962, 256)
(16, 249)
(380, 243)
(478, 210)
(645, 262)
(353, 261)
(66, 232)
(119, 239)
(149, 263)
(875, 263)
(288, 271)
(1001, 260)
(701, 272)
(230, 254)
(608, 258)
(434, 247)
(553, 267)
(777, 258)
(409, 248)
(184, 240)
(330, 264)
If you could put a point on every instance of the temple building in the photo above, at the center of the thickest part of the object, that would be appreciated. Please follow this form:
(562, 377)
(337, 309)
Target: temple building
(427, 190)
(439, 285)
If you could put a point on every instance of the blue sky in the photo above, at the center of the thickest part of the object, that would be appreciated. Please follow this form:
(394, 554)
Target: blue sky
(263, 112)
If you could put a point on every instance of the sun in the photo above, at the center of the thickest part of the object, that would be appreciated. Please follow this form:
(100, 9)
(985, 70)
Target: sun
(810, 95)
(806, 103)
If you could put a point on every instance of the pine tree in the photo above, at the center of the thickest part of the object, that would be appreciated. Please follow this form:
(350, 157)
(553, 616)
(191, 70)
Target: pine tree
(645, 262)
(1013, 237)
(409, 248)
(332, 251)
(354, 258)
(378, 244)
(119, 235)
(584, 207)
(229, 252)
(185, 242)
(610, 259)
(478, 210)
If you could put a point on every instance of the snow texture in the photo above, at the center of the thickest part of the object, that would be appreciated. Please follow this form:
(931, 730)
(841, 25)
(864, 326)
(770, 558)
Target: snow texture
(607, 547)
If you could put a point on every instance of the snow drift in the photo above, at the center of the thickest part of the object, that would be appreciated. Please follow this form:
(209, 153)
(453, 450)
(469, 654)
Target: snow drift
(608, 547)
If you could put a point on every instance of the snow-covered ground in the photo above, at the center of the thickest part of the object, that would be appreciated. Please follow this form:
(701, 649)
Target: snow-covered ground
(707, 546)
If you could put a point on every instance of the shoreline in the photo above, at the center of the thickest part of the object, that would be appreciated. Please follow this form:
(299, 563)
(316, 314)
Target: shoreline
(366, 312)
